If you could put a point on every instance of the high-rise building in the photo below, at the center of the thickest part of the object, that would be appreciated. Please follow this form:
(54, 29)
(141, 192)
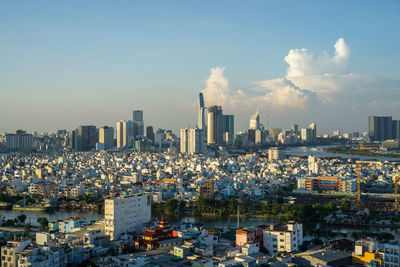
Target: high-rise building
(380, 128)
(214, 125)
(306, 134)
(73, 140)
(87, 137)
(126, 214)
(106, 137)
(255, 121)
(228, 124)
(138, 124)
(120, 134)
(127, 135)
(294, 128)
(395, 129)
(184, 140)
(19, 142)
(150, 133)
(192, 141)
(313, 128)
(201, 122)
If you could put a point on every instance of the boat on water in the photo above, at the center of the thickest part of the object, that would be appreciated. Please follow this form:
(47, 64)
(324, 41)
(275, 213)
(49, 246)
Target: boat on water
(5, 206)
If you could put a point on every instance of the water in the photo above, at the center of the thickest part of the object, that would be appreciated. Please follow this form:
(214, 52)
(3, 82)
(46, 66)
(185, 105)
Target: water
(32, 216)
(318, 151)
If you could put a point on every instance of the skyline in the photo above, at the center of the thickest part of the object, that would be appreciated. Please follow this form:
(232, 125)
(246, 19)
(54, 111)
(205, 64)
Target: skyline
(60, 62)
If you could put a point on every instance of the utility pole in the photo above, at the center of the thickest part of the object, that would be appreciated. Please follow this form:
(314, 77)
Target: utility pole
(238, 216)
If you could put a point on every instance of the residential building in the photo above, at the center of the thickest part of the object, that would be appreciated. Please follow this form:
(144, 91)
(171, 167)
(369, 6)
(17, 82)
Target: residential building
(283, 237)
(106, 137)
(192, 141)
(380, 128)
(10, 252)
(18, 142)
(248, 235)
(275, 153)
(126, 214)
(392, 253)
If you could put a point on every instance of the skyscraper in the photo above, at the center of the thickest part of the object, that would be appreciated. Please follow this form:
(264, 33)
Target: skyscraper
(87, 137)
(106, 137)
(228, 128)
(138, 124)
(395, 129)
(201, 123)
(214, 126)
(150, 133)
(73, 140)
(313, 128)
(128, 137)
(380, 128)
(255, 121)
(120, 134)
(192, 141)
(294, 128)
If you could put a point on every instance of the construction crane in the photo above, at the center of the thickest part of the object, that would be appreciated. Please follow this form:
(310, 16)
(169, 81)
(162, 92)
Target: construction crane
(396, 197)
(358, 183)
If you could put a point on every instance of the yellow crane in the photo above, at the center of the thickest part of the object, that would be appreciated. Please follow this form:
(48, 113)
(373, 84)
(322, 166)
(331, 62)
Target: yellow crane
(396, 197)
(359, 183)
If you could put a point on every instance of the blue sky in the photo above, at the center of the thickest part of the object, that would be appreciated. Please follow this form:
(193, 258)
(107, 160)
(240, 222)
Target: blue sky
(66, 63)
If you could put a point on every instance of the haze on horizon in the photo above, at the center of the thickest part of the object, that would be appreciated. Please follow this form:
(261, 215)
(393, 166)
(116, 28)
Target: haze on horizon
(67, 63)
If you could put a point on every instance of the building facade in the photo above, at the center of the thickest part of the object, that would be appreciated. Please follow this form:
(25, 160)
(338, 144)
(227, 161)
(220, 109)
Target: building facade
(283, 237)
(106, 137)
(126, 214)
(214, 126)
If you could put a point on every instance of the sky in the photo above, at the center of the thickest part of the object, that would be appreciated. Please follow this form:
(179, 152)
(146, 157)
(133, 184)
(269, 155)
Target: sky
(73, 62)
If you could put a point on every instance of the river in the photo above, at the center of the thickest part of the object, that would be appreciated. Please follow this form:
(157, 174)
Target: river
(318, 151)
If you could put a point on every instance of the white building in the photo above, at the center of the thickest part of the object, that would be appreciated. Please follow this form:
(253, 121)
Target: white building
(192, 141)
(126, 214)
(255, 121)
(313, 166)
(283, 237)
(275, 153)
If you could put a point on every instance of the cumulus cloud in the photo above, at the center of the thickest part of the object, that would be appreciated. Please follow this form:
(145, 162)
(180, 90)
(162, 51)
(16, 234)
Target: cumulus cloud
(303, 63)
(217, 91)
(312, 82)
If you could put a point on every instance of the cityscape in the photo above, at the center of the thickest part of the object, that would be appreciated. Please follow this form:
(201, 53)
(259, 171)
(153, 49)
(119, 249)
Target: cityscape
(294, 171)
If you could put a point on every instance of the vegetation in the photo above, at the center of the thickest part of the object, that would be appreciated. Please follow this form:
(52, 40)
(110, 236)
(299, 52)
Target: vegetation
(361, 152)
(43, 223)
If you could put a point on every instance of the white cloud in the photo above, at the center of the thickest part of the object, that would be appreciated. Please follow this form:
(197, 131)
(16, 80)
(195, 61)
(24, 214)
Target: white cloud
(314, 86)
(217, 91)
(303, 63)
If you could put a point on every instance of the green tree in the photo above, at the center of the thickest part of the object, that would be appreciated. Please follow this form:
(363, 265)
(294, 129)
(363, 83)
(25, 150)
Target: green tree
(345, 204)
(27, 228)
(21, 218)
(43, 223)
